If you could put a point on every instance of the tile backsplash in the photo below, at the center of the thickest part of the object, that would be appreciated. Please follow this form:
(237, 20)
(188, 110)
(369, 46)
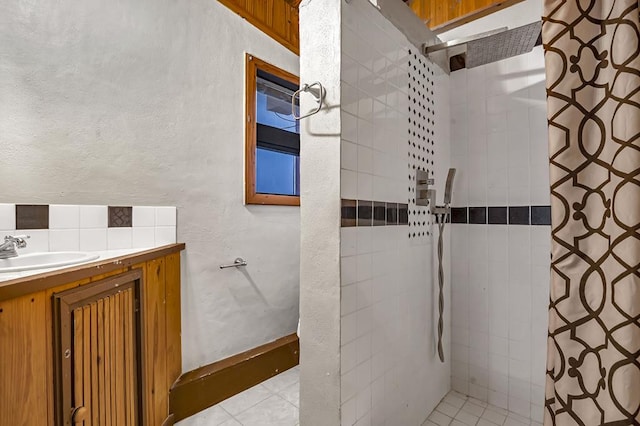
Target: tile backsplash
(58, 227)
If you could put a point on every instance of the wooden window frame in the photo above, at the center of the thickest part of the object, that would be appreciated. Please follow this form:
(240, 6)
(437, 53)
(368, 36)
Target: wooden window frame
(251, 132)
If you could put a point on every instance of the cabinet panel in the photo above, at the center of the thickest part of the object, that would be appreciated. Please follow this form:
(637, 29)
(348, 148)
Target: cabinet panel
(23, 361)
(96, 349)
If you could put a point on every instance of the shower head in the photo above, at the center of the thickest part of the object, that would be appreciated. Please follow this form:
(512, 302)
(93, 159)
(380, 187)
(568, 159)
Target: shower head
(503, 45)
(484, 48)
(448, 188)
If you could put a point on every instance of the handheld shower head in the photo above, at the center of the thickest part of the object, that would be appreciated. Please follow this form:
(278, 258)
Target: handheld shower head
(448, 188)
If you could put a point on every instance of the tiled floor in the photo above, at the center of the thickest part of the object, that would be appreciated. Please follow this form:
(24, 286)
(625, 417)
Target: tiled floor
(275, 402)
(271, 403)
(459, 410)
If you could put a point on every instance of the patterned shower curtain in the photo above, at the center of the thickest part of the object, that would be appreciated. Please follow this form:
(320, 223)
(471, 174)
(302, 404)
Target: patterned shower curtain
(592, 54)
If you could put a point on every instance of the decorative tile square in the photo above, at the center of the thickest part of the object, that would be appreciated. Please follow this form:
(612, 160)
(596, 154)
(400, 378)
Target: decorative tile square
(120, 217)
(348, 212)
(30, 216)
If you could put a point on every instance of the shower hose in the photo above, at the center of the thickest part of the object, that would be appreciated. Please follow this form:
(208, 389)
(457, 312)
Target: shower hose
(441, 219)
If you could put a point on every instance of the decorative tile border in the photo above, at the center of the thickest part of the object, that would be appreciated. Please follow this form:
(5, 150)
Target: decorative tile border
(58, 227)
(503, 215)
(373, 213)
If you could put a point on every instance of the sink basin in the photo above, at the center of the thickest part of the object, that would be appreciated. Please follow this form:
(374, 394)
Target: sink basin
(54, 259)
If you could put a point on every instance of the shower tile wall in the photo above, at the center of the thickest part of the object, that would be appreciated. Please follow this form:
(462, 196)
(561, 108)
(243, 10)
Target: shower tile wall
(389, 368)
(500, 273)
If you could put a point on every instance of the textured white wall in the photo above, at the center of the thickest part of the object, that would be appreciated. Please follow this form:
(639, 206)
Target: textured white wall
(141, 102)
(320, 33)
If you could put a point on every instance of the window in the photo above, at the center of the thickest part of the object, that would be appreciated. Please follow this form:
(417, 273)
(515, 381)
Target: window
(272, 169)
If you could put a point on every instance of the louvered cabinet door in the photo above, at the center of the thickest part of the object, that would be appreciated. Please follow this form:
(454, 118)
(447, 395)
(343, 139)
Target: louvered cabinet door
(97, 349)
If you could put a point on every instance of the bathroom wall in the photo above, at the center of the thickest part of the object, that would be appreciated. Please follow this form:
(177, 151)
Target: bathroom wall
(501, 243)
(141, 102)
(368, 289)
(394, 116)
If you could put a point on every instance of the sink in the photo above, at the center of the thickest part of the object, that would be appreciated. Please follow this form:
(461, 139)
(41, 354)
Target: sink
(54, 259)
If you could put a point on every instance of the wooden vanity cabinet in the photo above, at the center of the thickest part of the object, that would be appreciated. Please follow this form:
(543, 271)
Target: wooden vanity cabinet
(102, 348)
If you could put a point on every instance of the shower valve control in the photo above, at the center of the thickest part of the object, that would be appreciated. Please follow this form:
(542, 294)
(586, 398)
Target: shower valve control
(424, 195)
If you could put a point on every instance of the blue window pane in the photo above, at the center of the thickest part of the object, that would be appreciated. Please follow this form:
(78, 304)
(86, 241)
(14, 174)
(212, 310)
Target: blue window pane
(277, 173)
(273, 107)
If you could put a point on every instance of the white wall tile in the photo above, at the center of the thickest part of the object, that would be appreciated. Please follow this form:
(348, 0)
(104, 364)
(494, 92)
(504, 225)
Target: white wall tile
(143, 237)
(119, 238)
(38, 240)
(165, 216)
(64, 239)
(7, 216)
(143, 216)
(93, 217)
(64, 216)
(93, 239)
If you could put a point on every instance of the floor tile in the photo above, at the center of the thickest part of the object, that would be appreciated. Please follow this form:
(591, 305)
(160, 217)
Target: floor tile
(483, 422)
(448, 409)
(231, 422)
(212, 416)
(472, 408)
(245, 400)
(493, 416)
(292, 394)
(467, 418)
(454, 400)
(282, 380)
(273, 411)
(439, 418)
(510, 421)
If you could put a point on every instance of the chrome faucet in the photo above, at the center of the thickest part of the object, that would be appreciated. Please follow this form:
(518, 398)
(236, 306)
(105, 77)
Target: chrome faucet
(11, 244)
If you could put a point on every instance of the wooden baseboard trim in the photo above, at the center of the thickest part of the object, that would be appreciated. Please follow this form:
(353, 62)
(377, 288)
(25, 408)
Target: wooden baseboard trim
(206, 386)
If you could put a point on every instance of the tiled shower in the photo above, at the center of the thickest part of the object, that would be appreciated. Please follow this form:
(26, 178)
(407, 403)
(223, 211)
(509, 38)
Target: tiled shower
(400, 112)
(394, 115)
(500, 256)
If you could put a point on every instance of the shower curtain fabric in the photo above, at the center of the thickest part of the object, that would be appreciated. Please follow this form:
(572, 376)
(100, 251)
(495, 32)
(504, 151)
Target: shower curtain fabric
(592, 59)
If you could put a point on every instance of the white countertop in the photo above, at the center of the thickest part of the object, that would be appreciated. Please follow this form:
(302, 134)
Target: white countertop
(103, 255)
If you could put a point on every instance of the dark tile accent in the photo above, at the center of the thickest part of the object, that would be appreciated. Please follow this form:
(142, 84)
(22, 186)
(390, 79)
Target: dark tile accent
(403, 214)
(29, 216)
(120, 217)
(478, 215)
(379, 214)
(365, 213)
(541, 215)
(392, 213)
(497, 215)
(519, 215)
(348, 213)
(458, 215)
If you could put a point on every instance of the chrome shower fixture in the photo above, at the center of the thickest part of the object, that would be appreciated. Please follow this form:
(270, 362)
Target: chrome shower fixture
(426, 196)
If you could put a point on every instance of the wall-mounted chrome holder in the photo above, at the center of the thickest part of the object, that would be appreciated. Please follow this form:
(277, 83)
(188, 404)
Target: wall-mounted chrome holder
(425, 196)
(237, 262)
(316, 90)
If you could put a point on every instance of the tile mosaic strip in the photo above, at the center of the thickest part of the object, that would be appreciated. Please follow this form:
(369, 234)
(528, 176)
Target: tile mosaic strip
(519, 215)
(120, 217)
(541, 215)
(478, 215)
(497, 215)
(459, 215)
(373, 213)
(30, 216)
(502, 215)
